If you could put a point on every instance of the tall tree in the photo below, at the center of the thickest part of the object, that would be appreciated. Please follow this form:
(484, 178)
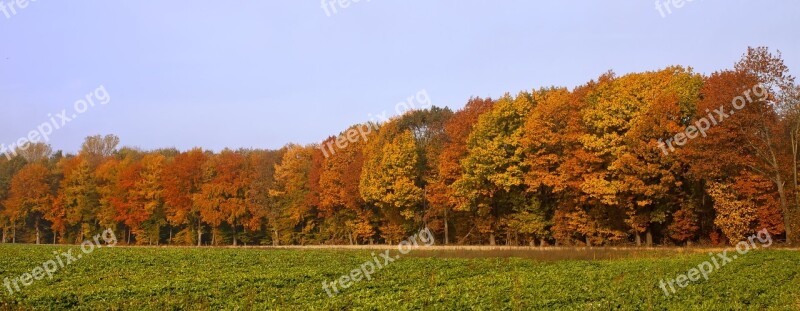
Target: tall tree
(765, 122)
(493, 179)
(222, 195)
(440, 193)
(35, 152)
(96, 148)
(388, 182)
(146, 213)
(294, 196)
(182, 178)
(30, 195)
(79, 197)
(8, 168)
(260, 179)
(340, 201)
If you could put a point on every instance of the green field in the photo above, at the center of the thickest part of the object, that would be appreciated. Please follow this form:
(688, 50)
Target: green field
(256, 279)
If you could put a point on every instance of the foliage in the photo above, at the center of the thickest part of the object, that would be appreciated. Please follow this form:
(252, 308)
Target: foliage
(600, 164)
(144, 278)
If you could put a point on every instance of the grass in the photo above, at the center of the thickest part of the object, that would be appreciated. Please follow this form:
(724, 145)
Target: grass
(134, 278)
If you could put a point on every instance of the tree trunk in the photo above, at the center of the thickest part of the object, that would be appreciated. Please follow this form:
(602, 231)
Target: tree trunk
(794, 169)
(638, 240)
(588, 242)
(785, 209)
(446, 229)
(38, 238)
(492, 241)
(14, 234)
(780, 184)
(234, 235)
(199, 233)
(649, 238)
(275, 241)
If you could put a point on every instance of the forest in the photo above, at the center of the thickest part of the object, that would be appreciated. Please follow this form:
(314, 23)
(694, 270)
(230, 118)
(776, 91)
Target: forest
(666, 157)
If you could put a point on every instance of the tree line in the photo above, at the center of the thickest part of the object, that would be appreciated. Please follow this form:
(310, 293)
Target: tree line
(587, 166)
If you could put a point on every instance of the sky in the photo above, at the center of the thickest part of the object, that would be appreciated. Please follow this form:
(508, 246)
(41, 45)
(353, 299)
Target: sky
(261, 74)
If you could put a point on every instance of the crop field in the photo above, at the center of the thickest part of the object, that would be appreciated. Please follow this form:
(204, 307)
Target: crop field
(140, 278)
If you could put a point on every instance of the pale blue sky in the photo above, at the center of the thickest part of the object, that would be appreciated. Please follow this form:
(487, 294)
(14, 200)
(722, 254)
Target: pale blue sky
(261, 74)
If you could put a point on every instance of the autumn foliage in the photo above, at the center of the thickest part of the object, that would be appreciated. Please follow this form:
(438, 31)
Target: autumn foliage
(586, 166)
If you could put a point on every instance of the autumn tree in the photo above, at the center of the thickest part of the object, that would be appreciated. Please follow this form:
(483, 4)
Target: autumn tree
(341, 205)
(222, 195)
(493, 179)
(181, 181)
(294, 197)
(428, 128)
(79, 197)
(667, 155)
(8, 169)
(145, 207)
(34, 152)
(30, 195)
(764, 124)
(440, 193)
(96, 148)
(684, 225)
(259, 180)
(734, 214)
(388, 181)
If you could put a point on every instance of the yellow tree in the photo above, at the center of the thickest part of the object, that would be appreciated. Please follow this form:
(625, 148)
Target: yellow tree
(734, 214)
(79, 197)
(626, 119)
(147, 199)
(493, 179)
(388, 182)
(30, 195)
(292, 193)
(440, 193)
(111, 194)
(222, 194)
